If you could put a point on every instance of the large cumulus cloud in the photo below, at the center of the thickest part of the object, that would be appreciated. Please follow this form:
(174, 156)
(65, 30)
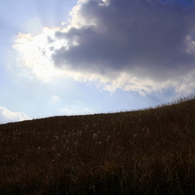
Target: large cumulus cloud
(138, 45)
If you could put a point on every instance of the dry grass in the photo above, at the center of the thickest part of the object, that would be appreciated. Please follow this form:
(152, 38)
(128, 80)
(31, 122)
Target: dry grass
(149, 151)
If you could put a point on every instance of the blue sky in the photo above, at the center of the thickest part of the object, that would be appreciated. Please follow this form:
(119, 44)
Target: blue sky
(69, 57)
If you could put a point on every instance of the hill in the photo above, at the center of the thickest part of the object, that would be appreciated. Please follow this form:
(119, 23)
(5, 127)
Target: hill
(149, 151)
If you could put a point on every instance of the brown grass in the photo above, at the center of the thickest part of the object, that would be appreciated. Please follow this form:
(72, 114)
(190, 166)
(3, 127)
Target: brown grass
(149, 151)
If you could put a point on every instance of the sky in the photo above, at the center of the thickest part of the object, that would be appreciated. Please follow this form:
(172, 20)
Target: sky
(75, 57)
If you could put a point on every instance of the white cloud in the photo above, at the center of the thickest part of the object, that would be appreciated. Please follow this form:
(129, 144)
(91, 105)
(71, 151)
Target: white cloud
(54, 99)
(9, 116)
(78, 108)
(142, 46)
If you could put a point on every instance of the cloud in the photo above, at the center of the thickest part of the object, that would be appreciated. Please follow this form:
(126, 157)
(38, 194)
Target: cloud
(9, 116)
(79, 107)
(135, 45)
(54, 99)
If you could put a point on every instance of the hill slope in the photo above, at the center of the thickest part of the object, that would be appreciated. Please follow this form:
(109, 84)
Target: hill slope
(149, 151)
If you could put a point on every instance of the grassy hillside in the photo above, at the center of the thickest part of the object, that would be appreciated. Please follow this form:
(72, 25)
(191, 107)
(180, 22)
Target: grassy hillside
(149, 151)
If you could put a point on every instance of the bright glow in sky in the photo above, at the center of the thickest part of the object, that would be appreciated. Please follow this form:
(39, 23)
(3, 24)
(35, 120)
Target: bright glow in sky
(69, 57)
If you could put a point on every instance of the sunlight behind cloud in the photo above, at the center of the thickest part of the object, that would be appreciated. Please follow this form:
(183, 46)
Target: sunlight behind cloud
(35, 53)
(138, 50)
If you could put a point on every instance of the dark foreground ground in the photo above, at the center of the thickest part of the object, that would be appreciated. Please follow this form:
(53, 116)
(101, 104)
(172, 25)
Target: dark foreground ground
(148, 151)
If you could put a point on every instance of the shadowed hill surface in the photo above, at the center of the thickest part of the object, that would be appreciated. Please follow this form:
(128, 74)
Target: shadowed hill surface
(149, 151)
